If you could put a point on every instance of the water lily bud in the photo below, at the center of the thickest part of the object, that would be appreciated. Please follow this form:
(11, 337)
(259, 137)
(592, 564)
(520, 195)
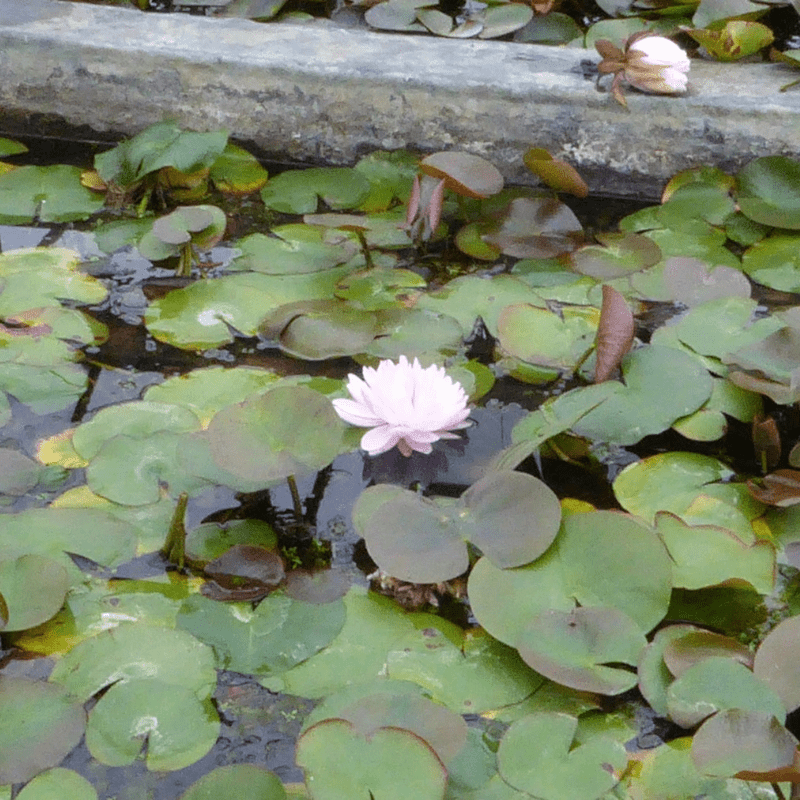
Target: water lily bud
(656, 64)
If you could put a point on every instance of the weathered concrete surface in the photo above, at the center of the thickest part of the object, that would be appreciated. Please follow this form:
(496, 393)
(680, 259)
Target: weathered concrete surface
(319, 93)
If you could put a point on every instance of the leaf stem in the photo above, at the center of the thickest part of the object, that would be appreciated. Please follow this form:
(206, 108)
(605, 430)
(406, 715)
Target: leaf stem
(174, 548)
(298, 505)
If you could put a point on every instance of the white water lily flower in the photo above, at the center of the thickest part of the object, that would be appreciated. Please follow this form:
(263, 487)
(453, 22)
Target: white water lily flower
(656, 64)
(404, 405)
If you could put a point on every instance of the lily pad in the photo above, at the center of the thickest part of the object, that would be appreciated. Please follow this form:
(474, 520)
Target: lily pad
(136, 652)
(617, 255)
(53, 532)
(774, 262)
(160, 146)
(47, 194)
(510, 516)
(294, 249)
(37, 277)
(541, 337)
(54, 784)
(358, 654)
(717, 684)
(673, 481)
(692, 282)
(708, 555)
(299, 191)
(41, 724)
(661, 385)
(176, 727)
(290, 430)
(737, 740)
(243, 781)
(479, 675)
(237, 172)
(584, 649)
(210, 313)
(589, 547)
(776, 662)
(468, 297)
(208, 390)
(537, 755)
(33, 588)
(392, 763)
(768, 191)
(272, 638)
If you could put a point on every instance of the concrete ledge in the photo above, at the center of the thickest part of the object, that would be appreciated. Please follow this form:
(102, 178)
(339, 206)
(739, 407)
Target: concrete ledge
(320, 93)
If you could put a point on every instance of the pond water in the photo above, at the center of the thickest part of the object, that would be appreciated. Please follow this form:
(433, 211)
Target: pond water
(586, 562)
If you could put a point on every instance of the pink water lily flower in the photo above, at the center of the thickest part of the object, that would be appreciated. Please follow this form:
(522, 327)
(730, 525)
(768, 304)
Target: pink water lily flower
(405, 405)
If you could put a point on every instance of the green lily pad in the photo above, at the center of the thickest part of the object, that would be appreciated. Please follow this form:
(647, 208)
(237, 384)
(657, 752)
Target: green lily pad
(674, 481)
(737, 39)
(19, 474)
(639, 585)
(178, 727)
(717, 684)
(39, 276)
(391, 763)
(479, 675)
(274, 637)
(379, 288)
(358, 654)
(137, 419)
(295, 249)
(469, 296)
(290, 430)
(534, 588)
(33, 588)
(768, 191)
(100, 606)
(237, 172)
(53, 532)
(136, 652)
(415, 333)
(655, 676)
(48, 194)
(661, 385)
(135, 471)
(693, 646)
(706, 555)
(737, 740)
(692, 282)
(510, 516)
(208, 313)
(537, 755)
(243, 781)
(668, 772)
(578, 648)
(320, 329)
(774, 262)
(617, 255)
(299, 191)
(390, 174)
(42, 723)
(395, 15)
(39, 373)
(206, 391)
(443, 730)
(201, 225)
(54, 784)
(211, 539)
(708, 423)
(157, 147)
(541, 337)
